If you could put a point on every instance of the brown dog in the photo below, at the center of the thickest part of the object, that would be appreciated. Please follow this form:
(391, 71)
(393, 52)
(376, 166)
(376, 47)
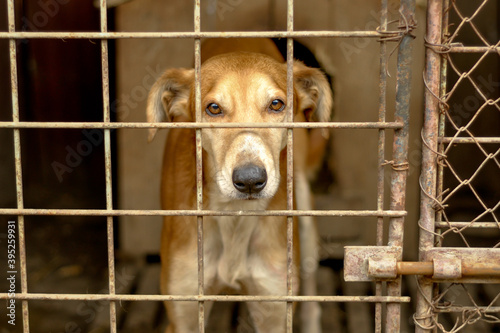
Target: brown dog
(243, 169)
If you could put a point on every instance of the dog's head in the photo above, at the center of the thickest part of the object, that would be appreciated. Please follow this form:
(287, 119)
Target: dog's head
(241, 88)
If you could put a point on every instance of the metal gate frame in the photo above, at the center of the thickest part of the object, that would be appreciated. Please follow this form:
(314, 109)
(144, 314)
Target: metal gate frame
(403, 40)
(455, 265)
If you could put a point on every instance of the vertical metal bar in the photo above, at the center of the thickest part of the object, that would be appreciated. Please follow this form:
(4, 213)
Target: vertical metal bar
(381, 154)
(429, 159)
(18, 163)
(107, 162)
(199, 165)
(442, 116)
(441, 133)
(400, 154)
(289, 94)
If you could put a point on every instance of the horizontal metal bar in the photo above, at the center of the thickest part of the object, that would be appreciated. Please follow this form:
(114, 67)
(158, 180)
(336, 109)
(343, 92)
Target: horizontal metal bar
(372, 263)
(124, 212)
(427, 268)
(482, 269)
(467, 225)
(201, 298)
(475, 265)
(189, 34)
(414, 268)
(474, 49)
(469, 140)
(193, 125)
(461, 309)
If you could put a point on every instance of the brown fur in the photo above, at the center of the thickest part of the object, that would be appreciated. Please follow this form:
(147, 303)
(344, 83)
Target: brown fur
(242, 254)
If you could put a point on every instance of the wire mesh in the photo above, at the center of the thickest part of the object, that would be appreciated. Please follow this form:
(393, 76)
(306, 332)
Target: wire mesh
(460, 185)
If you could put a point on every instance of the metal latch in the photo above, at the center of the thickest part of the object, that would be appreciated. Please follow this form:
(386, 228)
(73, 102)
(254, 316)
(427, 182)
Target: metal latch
(377, 263)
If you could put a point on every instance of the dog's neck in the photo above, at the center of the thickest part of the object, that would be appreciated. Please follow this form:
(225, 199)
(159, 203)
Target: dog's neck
(235, 235)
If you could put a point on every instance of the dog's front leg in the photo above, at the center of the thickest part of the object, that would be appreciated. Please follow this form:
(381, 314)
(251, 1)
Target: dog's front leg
(269, 278)
(181, 278)
(309, 257)
(268, 316)
(310, 314)
(183, 316)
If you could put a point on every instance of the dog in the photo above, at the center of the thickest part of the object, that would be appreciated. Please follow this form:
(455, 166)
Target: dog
(242, 81)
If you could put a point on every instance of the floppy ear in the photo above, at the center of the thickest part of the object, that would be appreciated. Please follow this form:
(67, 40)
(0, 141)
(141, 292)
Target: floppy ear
(314, 95)
(168, 98)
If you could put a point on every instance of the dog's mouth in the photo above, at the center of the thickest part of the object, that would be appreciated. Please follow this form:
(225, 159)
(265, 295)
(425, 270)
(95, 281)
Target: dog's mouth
(249, 197)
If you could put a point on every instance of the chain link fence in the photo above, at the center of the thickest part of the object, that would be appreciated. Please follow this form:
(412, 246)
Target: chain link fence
(461, 179)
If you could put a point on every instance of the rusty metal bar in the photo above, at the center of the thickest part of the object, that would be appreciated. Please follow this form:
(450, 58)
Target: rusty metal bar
(428, 175)
(381, 152)
(194, 125)
(453, 140)
(441, 128)
(462, 309)
(480, 269)
(107, 162)
(468, 225)
(381, 263)
(460, 48)
(482, 265)
(123, 212)
(427, 268)
(474, 49)
(199, 165)
(18, 163)
(414, 268)
(204, 298)
(195, 34)
(289, 168)
(400, 153)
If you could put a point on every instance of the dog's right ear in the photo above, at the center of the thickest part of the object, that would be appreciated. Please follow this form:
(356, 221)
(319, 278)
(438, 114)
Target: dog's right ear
(168, 98)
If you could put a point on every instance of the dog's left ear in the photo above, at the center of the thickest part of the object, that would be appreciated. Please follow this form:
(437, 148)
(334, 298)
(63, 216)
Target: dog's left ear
(314, 95)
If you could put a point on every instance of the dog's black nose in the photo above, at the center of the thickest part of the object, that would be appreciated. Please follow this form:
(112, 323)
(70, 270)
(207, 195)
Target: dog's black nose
(249, 179)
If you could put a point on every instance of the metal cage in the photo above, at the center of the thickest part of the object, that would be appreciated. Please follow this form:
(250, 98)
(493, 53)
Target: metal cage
(388, 298)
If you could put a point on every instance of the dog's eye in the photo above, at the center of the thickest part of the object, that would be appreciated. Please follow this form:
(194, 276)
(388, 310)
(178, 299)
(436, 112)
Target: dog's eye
(213, 110)
(277, 105)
